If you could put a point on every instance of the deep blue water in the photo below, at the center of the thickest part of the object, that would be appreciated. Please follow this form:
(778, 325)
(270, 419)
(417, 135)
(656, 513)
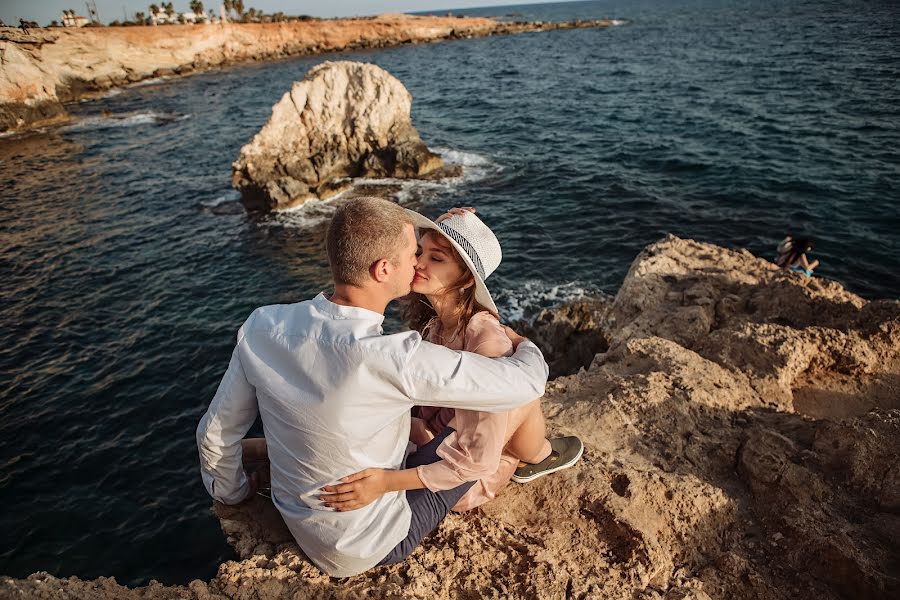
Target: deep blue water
(128, 264)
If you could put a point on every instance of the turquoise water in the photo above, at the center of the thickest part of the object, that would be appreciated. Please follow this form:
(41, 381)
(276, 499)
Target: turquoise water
(128, 262)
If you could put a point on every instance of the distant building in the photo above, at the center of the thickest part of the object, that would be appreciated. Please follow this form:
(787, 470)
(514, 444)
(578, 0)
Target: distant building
(192, 17)
(73, 20)
(163, 18)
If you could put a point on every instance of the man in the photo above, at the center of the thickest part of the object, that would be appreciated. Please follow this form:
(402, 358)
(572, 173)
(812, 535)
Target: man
(334, 395)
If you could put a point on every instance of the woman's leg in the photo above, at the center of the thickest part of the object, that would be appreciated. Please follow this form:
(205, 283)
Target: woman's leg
(527, 434)
(255, 458)
(254, 450)
(419, 434)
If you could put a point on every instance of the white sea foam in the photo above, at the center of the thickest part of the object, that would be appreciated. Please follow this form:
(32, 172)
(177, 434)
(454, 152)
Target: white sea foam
(618, 22)
(407, 191)
(151, 81)
(134, 119)
(307, 215)
(526, 300)
(231, 196)
(107, 94)
(475, 168)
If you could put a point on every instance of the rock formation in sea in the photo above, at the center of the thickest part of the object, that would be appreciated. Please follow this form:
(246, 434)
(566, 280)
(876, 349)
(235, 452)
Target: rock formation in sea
(345, 119)
(742, 429)
(46, 68)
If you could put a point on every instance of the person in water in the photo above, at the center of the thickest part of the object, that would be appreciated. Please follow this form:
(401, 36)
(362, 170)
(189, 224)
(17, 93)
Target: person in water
(450, 305)
(792, 255)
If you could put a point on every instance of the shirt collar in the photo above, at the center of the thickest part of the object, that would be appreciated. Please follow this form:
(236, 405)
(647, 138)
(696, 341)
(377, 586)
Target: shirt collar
(340, 311)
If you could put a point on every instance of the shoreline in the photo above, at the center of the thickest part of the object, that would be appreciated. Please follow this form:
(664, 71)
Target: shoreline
(49, 68)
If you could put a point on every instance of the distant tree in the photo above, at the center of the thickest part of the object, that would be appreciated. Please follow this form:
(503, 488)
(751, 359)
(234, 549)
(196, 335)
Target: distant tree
(238, 6)
(139, 18)
(54, 23)
(154, 9)
(228, 6)
(170, 10)
(196, 7)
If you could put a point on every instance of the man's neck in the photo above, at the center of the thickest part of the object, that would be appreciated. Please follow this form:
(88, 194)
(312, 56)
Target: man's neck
(350, 295)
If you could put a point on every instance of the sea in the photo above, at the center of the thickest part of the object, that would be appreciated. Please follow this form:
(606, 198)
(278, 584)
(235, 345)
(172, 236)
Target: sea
(128, 263)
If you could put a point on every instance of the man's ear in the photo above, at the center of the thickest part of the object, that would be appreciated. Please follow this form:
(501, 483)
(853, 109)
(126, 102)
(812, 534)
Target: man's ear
(380, 270)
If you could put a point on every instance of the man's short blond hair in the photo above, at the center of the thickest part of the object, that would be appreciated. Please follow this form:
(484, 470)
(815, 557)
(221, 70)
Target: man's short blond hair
(363, 231)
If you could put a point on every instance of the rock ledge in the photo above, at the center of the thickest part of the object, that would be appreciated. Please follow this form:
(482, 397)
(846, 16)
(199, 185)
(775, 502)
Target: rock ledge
(742, 429)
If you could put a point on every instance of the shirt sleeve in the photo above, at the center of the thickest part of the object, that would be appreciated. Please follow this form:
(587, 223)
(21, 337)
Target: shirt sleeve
(471, 453)
(230, 415)
(432, 375)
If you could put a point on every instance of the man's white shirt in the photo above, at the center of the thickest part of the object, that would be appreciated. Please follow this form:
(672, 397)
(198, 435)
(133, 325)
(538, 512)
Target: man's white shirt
(334, 396)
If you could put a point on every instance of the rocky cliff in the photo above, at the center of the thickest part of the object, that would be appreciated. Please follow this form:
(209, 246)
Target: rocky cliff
(345, 119)
(41, 71)
(742, 428)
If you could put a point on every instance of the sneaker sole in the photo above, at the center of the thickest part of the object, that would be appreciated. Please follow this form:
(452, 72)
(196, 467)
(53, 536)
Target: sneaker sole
(553, 470)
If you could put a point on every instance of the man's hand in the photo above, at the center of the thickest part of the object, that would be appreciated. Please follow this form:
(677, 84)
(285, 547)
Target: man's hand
(459, 210)
(357, 490)
(514, 337)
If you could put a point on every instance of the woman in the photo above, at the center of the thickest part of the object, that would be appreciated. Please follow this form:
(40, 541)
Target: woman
(451, 305)
(792, 255)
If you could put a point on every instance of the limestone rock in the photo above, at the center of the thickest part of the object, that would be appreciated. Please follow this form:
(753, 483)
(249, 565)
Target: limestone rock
(48, 67)
(345, 119)
(571, 335)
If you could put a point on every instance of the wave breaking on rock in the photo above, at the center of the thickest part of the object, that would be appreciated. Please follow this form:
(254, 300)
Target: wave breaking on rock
(344, 120)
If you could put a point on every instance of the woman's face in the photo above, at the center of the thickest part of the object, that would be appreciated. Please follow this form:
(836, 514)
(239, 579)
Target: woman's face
(438, 266)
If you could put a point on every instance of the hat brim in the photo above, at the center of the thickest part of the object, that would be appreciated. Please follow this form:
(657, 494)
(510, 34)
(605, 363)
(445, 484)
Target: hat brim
(482, 295)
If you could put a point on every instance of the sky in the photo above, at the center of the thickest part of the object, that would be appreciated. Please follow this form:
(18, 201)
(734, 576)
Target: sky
(44, 11)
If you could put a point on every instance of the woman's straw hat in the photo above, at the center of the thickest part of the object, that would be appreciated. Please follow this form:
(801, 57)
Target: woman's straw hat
(475, 243)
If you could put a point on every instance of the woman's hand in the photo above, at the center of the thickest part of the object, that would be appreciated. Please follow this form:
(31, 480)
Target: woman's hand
(357, 490)
(459, 210)
(514, 337)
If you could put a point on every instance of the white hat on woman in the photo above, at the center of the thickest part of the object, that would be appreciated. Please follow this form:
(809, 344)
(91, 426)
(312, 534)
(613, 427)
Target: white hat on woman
(475, 243)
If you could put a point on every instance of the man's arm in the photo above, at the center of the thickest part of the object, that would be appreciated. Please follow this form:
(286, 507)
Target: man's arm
(230, 415)
(436, 376)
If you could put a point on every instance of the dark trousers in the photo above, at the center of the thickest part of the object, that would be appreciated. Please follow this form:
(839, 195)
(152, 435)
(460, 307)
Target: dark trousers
(428, 508)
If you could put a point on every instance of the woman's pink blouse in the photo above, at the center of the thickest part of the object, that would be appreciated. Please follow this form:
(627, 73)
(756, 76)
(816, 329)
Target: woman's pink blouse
(475, 451)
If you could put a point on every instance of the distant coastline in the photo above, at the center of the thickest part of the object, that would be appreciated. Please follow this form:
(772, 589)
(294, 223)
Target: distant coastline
(46, 68)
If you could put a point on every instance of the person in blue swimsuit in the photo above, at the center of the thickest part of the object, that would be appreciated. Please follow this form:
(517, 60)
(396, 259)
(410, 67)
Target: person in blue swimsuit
(792, 255)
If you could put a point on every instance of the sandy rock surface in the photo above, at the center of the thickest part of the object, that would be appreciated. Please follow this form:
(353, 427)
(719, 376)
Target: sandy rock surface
(742, 429)
(48, 67)
(345, 119)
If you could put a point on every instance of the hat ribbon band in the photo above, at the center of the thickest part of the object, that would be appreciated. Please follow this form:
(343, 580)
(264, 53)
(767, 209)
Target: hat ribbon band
(464, 243)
